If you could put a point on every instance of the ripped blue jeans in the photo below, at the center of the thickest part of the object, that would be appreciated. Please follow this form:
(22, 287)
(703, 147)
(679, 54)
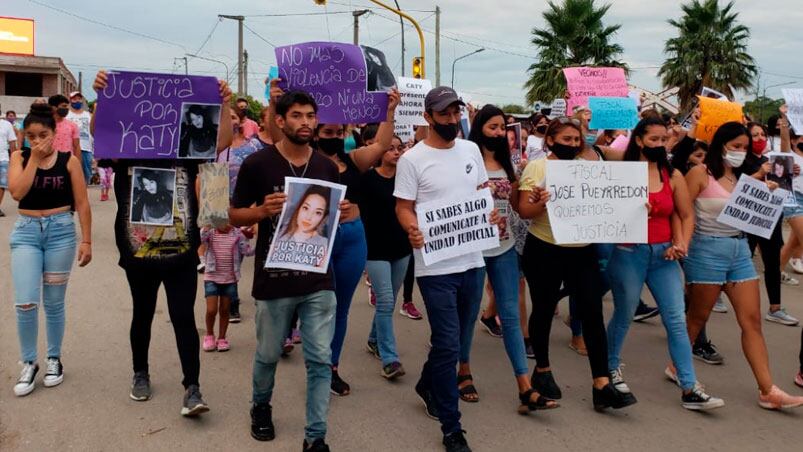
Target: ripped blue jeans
(42, 253)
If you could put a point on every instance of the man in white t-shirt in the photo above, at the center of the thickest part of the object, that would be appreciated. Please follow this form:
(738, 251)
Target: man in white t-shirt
(81, 118)
(8, 144)
(443, 167)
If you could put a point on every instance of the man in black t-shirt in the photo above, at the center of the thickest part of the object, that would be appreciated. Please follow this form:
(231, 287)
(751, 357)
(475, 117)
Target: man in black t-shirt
(258, 198)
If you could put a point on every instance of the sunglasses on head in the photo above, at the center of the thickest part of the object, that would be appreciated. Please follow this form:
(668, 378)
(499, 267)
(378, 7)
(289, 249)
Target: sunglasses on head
(567, 120)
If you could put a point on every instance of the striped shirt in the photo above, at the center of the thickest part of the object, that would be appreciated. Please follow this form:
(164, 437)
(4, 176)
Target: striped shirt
(223, 244)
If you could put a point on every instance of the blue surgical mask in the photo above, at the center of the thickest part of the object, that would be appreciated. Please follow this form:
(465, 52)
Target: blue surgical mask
(591, 138)
(77, 105)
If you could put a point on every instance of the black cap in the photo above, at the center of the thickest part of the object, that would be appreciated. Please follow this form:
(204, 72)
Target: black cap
(440, 98)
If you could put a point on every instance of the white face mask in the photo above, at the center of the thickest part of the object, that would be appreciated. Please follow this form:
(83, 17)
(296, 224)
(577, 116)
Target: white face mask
(734, 159)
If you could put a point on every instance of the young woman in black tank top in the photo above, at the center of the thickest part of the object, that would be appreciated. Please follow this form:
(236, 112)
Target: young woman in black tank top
(49, 186)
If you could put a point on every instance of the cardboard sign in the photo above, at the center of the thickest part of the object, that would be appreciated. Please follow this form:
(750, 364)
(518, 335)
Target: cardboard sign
(157, 116)
(411, 108)
(213, 202)
(457, 227)
(612, 113)
(336, 76)
(597, 201)
(585, 82)
(794, 102)
(753, 208)
(558, 108)
(714, 113)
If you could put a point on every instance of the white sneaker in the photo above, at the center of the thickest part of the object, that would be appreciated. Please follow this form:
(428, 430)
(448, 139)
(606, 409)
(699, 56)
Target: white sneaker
(25, 385)
(720, 306)
(788, 280)
(618, 381)
(780, 316)
(54, 374)
(797, 265)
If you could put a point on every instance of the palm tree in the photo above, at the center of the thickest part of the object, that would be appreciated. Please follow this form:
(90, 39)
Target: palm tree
(710, 50)
(574, 35)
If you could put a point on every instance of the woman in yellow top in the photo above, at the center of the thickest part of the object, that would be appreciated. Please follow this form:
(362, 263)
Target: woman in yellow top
(547, 265)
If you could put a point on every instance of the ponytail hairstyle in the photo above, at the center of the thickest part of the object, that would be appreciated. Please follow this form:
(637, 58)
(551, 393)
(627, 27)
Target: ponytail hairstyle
(633, 151)
(502, 154)
(41, 114)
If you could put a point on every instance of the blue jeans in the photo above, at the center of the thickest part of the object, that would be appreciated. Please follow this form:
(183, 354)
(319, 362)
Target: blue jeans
(273, 317)
(86, 165)
(386, 279)
(629, 268)
(349, 255)
(504, 276)
(453, 303)
(42, 253)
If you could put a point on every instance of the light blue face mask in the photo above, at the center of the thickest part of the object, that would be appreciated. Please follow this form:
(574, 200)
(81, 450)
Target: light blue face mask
(350, 143)
(591, 138)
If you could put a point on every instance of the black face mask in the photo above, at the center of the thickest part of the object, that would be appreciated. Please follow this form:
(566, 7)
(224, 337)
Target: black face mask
(331, 146)
(654, 154)
(800, 146)
(541, 129)
(62, 111)
(565, 152)
(494, 144)
(446, 131)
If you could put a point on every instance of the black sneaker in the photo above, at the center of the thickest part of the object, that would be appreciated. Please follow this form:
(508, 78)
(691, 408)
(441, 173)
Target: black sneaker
(644, 312)
(609, 397)
(393, 370)
(528, 348)
(262, 422)
(54, 374)
(429, 401)
(708, 354)
(234, 314)
(373, 349)
(317, 446)
(338, 386)
(544, 383)
(697, 400)
(491, 326)
(193, 402)
(456, 442)
(141, 387)
(2, 214)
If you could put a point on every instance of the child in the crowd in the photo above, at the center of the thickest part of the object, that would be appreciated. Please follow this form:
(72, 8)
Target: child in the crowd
(225, 248)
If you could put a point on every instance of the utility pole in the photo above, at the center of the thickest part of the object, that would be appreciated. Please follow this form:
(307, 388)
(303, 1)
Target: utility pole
(239, 19)
(437, 46)
(357, 14)
(184, 59)
(80, 82)
(245, 73)
(401, 22)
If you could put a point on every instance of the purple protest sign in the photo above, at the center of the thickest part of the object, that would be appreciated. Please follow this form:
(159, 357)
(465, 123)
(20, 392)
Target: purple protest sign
(336, 76)
(157, 116)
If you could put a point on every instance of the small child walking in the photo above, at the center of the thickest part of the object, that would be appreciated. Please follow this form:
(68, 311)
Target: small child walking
(225, 249)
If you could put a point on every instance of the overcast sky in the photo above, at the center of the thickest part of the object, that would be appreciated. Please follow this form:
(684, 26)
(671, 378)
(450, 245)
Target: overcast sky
(495, 75)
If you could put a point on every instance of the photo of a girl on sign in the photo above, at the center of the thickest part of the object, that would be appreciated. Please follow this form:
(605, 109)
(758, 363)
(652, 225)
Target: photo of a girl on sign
(307, 226)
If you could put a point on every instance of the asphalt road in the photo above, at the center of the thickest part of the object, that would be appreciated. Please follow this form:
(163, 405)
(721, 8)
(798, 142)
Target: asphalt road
(91, 410)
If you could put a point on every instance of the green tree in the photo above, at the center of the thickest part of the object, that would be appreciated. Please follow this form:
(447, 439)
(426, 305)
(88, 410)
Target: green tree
(254, 106)
(762, 108)
(710, 50)
(513, 109)
(574, 35)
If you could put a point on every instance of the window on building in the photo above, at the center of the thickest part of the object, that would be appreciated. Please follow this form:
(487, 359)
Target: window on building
(23, 84)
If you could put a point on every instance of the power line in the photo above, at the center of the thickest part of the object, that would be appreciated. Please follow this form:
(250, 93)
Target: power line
(258, 35)
(298, 14)
(208, 37)
(796, 77)
(375, 8)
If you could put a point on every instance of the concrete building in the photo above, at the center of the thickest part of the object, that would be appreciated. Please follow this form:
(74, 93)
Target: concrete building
(24, 79)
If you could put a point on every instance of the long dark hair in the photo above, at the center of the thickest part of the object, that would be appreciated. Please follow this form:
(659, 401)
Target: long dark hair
(725, 133)
(681, 154)
(320, 190)
(633, 151)
(502, 154)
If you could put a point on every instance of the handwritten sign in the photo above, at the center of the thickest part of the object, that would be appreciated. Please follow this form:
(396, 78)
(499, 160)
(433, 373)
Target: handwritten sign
(597, 202)
(213, 202)
(585, 82)
(794, 102)
(714, 113)
(335, 75)
(140, 114)
(411, 108)
(405, 132)
(558, 108)
(753, 208)
(456, 227)
(612, 113)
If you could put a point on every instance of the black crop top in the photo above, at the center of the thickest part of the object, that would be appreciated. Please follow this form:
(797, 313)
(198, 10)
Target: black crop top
(51, 188)
(351, 178)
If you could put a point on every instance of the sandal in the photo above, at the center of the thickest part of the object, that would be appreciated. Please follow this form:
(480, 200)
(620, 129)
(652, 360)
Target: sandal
(467, 391)
(541, 403)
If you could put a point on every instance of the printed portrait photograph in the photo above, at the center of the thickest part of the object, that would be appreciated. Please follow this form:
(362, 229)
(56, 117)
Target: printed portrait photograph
(782, 171)
(153, 192)
(380, 76)
(198, 131)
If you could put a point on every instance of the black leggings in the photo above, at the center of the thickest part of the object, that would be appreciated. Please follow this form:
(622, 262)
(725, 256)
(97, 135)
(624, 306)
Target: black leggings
(771, 257)
(545, 267)
(180, 286)
(409, 280)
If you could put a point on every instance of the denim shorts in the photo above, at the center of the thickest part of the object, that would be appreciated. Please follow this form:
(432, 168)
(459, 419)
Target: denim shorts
(213, 289)
(795, 211)
(3, 174)
(718, 260)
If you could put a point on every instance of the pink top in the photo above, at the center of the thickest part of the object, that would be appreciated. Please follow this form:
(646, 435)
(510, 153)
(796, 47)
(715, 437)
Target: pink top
(708, 206)
(249, 128)
(223, 246)
(66, 132)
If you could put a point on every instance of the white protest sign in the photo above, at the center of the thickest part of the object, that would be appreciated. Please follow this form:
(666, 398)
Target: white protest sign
(597, 201)
(753, 208)
(794, 102)
(713, 94)
(456, 227)
(558, 108)
(404, 131)
(411, 107)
